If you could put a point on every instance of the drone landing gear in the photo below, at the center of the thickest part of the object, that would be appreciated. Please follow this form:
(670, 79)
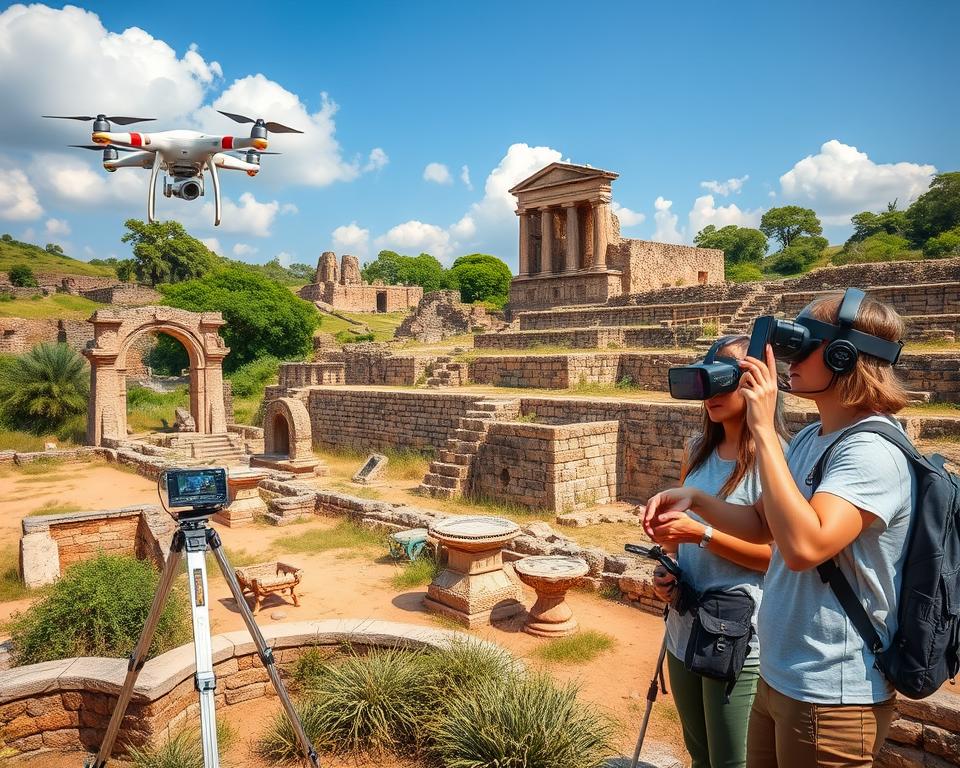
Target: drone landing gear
(152, 192)
(195, 537)
(215, 179)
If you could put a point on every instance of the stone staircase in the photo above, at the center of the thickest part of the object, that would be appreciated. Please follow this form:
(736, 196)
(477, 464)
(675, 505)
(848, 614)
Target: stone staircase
(215, 449)
(449, 476)
(444, 372)
(761, 301)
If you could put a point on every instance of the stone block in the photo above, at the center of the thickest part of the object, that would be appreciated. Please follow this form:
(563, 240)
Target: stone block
(39, 559)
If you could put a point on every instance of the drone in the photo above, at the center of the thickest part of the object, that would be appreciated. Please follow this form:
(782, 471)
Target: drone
(182, 155)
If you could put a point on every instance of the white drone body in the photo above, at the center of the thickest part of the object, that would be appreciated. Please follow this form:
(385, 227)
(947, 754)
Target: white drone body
(183, 155)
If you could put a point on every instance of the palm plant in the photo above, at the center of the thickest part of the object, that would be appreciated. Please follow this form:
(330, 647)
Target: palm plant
(43, 389)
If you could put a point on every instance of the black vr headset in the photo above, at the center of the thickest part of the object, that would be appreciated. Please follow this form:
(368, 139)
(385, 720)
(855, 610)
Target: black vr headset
(792, 341)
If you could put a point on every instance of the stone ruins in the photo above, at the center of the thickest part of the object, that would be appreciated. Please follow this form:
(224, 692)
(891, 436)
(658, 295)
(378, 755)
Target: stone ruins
(571, 251)
(343, 288)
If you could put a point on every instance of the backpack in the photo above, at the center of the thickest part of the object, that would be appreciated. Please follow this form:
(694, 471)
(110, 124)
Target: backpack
(925, 651)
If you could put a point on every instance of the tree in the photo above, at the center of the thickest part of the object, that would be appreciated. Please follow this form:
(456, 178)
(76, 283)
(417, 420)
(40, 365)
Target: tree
(126, 270)
(262, 317)
(165, 253)
(482, 278)
(301, 272)
(880, 246)
(424, 270)
(797, 257)
(53, 248)
(43, 389)
(740, 245)
(386, 268)
(788, 222)
(936, 210)
(22, 276)
(866, 224)
(944, 245)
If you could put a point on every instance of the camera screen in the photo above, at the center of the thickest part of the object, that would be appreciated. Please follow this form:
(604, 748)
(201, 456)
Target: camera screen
(196, 487)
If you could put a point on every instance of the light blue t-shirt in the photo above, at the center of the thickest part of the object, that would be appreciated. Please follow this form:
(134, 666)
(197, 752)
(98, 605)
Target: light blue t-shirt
(705, 570)
(811, 650)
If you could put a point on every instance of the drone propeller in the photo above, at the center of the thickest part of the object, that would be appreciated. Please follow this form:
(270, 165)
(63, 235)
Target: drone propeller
(270, 126)
(118, 120)
(103, 146)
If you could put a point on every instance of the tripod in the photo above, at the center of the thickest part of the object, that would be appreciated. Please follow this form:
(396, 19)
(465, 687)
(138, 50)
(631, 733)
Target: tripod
(195, 537)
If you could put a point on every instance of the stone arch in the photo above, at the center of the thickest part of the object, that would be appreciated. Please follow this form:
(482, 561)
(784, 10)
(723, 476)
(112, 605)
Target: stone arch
(286, 418)
(114, 331)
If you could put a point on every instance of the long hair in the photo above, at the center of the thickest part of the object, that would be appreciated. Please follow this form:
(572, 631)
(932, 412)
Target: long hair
(872, 385)
(712, 433)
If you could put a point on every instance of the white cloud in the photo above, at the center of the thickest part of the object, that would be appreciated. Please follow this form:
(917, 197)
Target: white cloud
(213, 244)
(771, 194)
(724, 188)
(627, 217)
(705, 212)
(73, 183)
(497, 206)
(351, 238)
(65, 62)
(285, 259)
(313, 158)
(18, 198)
(464, 229)
(438, 173)
(249, 217)
(55, 227)
(413, 237)
(841, 180)
(243, 249)
(377, 159)
(465, 177)
(287, 208)
(666, 222)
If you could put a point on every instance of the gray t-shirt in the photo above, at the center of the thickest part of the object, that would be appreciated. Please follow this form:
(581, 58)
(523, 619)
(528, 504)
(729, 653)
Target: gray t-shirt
(705, 570)
(811, 650)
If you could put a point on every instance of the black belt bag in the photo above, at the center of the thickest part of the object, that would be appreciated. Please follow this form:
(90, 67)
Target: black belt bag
(720, 638)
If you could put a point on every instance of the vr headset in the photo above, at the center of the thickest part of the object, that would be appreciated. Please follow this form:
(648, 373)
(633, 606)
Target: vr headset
(792, 341)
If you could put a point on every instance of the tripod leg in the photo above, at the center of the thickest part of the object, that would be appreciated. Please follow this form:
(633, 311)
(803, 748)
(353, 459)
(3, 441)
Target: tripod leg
(655, 682)
(265, 652)
(139, 655)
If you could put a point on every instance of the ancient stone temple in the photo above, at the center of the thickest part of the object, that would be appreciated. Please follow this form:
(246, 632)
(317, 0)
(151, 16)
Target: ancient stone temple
(571, 251)
(343, 288)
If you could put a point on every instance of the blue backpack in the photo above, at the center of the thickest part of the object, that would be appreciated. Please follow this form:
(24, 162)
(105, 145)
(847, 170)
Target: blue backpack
(925, 651)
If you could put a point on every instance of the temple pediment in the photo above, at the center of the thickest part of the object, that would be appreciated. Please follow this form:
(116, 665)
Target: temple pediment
(562, 173)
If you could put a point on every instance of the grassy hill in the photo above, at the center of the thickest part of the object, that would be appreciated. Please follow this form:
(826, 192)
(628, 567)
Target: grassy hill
(13, 252)
(56, 306)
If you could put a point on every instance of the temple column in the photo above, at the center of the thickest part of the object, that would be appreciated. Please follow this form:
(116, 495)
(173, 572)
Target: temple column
(546, 241)
(573, 238)
(600, 217)
(524, 268)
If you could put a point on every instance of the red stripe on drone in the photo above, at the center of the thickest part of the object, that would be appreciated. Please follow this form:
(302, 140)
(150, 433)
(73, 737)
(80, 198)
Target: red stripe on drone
(227, 142)
(136, 140)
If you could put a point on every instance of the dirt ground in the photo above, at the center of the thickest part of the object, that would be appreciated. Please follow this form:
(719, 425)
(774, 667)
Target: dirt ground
(354, 584)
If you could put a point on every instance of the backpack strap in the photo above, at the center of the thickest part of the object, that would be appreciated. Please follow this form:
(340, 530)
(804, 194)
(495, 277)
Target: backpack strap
(829, 571)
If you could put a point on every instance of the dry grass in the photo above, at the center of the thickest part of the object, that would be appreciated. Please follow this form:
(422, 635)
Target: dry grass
(575, 649)
(345, 535)
(56, 508)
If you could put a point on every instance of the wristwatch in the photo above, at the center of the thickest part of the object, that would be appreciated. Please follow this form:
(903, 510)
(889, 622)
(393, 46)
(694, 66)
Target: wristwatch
(707, 535)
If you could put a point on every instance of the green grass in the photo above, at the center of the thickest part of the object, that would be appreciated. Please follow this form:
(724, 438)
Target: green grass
(14, 440)
(419, 573)
(56, 306)
(149, 411)
(403, 464)
(11, 587)
(56, 508)
(382, 325)
(575, 649)
(182, 750)
(35, 257)
(345, 535)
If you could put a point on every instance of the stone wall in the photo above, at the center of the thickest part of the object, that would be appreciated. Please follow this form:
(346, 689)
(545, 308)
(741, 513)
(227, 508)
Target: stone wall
(688, 294)
(648, 314)
(648, 264)
(75, 283)
(378, 420)
(363, 298)
(591, 338)
(540, 466)
(884, 273)
(19, 334)
(123, 294)
(545, 291)
(441, 314)
(295, 375)
(922, 299)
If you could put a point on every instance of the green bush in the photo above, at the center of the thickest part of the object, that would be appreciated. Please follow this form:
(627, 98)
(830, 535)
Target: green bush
(349, 337)
(524, 721)
(742, 273)
(44, 390)
(98, 608)
(183, 750)
(944, 245)
(881, 246)
(250, 379)
(482, 278)
(22, 276)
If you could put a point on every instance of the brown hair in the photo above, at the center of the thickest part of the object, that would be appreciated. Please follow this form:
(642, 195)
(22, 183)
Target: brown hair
(712, 434)
(872, 385)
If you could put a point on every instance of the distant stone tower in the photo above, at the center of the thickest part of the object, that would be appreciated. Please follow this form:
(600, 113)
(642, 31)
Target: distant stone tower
(327, 268)
(350, 271)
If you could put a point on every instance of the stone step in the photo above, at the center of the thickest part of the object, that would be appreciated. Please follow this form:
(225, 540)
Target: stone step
(444, 359)
(914, 396)
(441, 481)
(452, 457)
(476, 425)
(476, 414)
(437, 493)
(469, 435)
(460, 446)
(458, 471)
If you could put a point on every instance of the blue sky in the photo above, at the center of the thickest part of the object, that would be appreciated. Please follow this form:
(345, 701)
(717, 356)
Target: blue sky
(711, 112)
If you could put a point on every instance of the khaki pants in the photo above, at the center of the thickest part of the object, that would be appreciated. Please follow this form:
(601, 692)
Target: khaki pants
(786, 733)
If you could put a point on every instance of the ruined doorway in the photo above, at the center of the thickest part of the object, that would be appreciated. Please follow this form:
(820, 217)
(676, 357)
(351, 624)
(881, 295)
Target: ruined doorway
(381, 301)
(702, 278)
(281, 435)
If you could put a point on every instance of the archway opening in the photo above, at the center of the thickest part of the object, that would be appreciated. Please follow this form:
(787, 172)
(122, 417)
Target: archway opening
(281, 435)
(158, 384)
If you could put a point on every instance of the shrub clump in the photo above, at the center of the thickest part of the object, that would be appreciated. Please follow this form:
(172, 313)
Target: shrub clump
(98, 608)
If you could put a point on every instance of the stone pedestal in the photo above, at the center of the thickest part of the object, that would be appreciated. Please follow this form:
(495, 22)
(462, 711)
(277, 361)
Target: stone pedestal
(551, 576)
(473, 589)
(305, 467)
(244, 499)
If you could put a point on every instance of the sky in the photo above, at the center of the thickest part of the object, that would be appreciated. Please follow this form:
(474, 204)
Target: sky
(419, 116)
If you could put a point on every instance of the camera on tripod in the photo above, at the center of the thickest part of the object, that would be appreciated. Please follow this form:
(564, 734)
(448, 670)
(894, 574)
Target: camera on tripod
(200, 490)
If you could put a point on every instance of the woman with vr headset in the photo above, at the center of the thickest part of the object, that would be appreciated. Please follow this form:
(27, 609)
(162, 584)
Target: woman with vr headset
(720, 461)
(821, 701)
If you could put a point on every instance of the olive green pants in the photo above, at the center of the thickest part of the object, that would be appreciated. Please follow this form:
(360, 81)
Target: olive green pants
(715, 733)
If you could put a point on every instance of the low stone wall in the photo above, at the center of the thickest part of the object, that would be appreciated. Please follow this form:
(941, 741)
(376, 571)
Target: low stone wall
(363, 298)
(369, 364)
(540, 466)
(923, 299)
(123, 295)
(20, 334)
(648, 314)
(550, 290)
(295, 375)
(377, 420)
(925, 733)
(889, 273)
(66, 705)
(590, 338)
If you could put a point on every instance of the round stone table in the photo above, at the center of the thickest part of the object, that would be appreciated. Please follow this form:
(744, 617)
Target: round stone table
(551, 576)
(473, 589)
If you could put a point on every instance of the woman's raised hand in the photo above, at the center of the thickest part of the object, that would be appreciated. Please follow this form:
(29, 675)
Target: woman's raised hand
(758, 385)
(667, 506)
